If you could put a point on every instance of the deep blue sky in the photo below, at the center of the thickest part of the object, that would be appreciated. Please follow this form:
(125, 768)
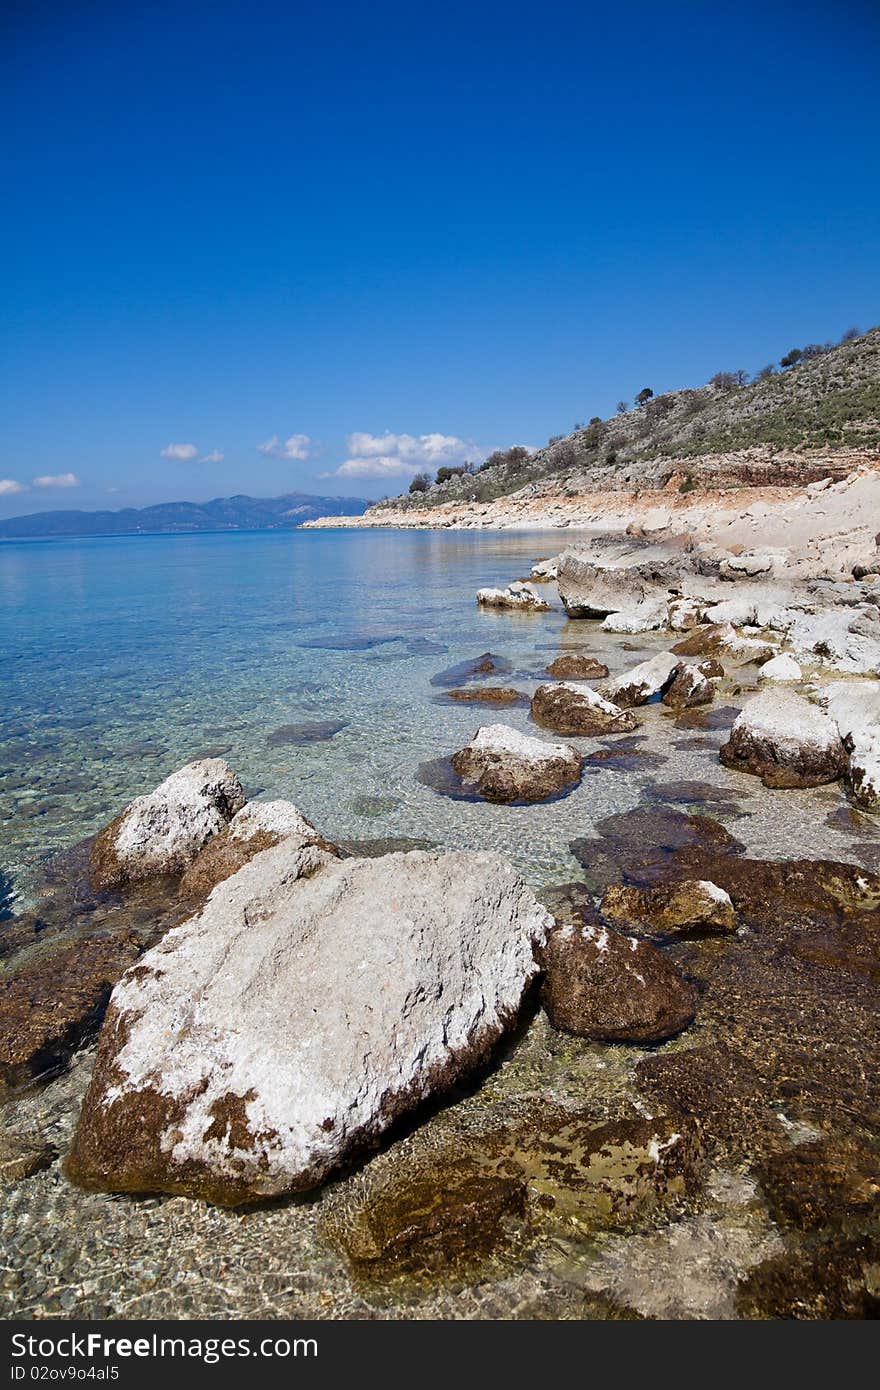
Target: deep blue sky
(239, 221)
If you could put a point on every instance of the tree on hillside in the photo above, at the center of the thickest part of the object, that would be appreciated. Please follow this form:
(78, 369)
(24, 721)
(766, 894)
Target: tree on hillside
(644, 395)
(622, 407)
(420, 483)
(791, 357)
(765, 372)
(850, 334)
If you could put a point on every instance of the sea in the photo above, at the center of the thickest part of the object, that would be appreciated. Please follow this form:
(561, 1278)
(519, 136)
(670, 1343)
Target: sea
(310, 660)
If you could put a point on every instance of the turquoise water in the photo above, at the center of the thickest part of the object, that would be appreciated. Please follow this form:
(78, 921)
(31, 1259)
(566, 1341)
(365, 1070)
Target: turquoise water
(124, 658)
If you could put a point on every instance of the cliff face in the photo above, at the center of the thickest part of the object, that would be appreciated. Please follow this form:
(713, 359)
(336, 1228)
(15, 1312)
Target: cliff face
(820, 418)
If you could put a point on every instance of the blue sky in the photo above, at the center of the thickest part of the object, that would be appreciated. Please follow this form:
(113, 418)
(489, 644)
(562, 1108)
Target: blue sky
(365, 237)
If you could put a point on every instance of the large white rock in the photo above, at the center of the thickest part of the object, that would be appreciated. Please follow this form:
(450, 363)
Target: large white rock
(308, 1005)
(780, 668)
(647, 616)
(642, 682)
(840, 639)
(519, 594)
(502, 764)
(854, 706)
(162, 833)
(785, 740)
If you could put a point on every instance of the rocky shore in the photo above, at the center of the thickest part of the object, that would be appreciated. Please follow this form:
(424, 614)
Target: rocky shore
(289, 1077)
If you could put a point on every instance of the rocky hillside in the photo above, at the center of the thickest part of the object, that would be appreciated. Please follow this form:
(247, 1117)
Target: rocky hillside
(808, 420)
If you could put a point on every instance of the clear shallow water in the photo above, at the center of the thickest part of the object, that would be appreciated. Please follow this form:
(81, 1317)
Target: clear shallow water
(124, 658)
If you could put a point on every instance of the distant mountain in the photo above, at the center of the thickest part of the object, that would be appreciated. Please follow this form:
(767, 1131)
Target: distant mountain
(222, 514)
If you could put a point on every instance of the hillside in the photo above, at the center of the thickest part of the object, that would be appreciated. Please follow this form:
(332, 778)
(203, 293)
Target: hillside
(238, 513)
(788, 426)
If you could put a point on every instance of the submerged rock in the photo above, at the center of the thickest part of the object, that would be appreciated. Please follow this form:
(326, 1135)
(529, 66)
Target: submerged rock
(600, 984)
(786, 741)
(501, 764)
(686, 908)
(22, 1155)
(53, 1000)
(301, 735)
(643, 682)
(572, 708)
(573, 666)
(519, 594)
(486, 695)
(309, 1004)
(463, 672)
(162, 833)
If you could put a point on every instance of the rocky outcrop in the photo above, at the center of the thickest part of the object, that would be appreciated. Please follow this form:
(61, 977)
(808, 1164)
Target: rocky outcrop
(519, 595)
(690, 686)
(163, 832)
(572, 708)
(308, 1005)
(257, 826)
(690, 907)
(574, 667)
(855, 708)
(781, 668)
(463, 672)
(600, 984)
(501, 764)
(845, 639)
(593, 583)
(786, 741)
(640, 684)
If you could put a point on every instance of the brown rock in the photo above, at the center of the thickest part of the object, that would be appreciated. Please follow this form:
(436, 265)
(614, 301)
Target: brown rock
(687, 908)
(487, 695)
(570, 666)
(53, 1000)
(821, 1183)
(834, 1280)
(258, 826)
(689, 687)
(786, 741)
(429, 1218)
(599, 984)
(500, 764)
(22, 1155)
(576, 709)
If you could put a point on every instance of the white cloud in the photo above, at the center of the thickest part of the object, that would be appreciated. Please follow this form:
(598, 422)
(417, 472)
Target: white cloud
(9, 485)
(57, 480)
(388, 455)
(181, 452)
(296, 446)
(215, 456)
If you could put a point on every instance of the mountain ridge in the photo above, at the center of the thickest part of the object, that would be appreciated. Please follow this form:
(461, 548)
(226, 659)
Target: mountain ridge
(238, 513)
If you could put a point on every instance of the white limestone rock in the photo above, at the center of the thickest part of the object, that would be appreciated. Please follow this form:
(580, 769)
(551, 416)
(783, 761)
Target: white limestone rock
(642, 682)
(162, 833)
(308, 1005)
(519, 595)
(781, 668)
(647, 616)
(854, 705)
